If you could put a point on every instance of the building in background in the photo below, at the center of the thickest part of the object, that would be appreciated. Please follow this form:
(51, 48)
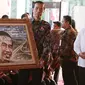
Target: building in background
(5, 7)
(55, 9)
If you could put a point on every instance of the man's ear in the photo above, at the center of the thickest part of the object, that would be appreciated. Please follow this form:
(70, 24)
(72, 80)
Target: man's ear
(44, 8)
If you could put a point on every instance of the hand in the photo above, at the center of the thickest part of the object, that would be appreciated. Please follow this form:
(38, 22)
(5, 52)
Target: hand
(82, 55)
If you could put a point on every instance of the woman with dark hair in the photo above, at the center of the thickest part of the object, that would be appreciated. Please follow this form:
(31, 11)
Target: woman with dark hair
(74, 25)
(77, 68)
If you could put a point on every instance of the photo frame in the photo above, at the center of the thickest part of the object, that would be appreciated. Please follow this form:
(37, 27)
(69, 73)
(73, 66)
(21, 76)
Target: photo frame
(17, 48)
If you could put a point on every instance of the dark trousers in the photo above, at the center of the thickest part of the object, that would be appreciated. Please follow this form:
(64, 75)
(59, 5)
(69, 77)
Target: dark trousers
(14, 78)
(24, 76)
(77, 74)
(68, 72)
(81, 76)
(2, 81)
(56, 74)
(37, 76)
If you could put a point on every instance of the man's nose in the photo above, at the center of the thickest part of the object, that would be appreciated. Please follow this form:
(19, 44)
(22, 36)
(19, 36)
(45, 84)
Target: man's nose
(39, 10)
(7, 48)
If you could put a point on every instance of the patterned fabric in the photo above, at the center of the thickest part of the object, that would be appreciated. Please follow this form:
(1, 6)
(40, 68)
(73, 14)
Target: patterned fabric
(67, 41)
(41, 31)
(55, 41)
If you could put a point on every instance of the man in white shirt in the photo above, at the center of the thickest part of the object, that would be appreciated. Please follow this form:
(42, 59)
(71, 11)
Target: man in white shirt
(79, 47)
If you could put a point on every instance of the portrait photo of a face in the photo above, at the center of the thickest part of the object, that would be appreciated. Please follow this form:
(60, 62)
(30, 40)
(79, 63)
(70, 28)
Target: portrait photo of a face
(6, 47)
(14, 46)
(17, 45)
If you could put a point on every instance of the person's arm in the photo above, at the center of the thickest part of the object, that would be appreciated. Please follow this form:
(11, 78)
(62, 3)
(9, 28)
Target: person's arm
(46, 46)
(82, 55)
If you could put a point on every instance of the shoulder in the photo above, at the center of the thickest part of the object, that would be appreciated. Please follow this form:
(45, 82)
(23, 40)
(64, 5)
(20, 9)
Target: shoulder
(45, 24)
(71, 31)
(54, 31)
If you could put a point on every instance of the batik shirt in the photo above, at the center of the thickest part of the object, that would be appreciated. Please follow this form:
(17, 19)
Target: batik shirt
(55, 42)
(67, 41)
(41, 30)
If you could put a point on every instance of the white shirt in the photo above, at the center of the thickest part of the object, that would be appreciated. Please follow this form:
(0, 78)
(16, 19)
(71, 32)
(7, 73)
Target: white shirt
(79, 46)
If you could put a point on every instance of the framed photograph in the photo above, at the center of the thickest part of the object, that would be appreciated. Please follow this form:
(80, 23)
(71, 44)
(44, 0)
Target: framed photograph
(17, 45)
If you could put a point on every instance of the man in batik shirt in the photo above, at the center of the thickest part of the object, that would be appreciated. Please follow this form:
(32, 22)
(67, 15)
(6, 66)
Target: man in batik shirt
(55, 42)
(41, 30)
(68, 55)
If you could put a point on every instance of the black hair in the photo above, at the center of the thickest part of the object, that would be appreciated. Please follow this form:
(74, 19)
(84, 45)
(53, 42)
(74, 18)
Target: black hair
(5, 16)
(40, 2)
(67, 18)
(73, 23)
(23, 15)
(3, 33)
(57, 23)
(27, 13)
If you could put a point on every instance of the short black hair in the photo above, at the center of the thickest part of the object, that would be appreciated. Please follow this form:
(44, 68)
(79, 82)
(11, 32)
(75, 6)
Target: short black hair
(23, 15)
(73, 23)
(3, 33)
(40, 2)
(68, 18)
(57, 23)
(27, 13)
(5, 16)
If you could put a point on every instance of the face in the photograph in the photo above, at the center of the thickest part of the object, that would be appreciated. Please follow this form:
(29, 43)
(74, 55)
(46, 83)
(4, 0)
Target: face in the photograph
(5, 47)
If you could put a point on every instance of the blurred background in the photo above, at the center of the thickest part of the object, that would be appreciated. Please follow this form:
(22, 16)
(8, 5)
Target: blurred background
(55, 10)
